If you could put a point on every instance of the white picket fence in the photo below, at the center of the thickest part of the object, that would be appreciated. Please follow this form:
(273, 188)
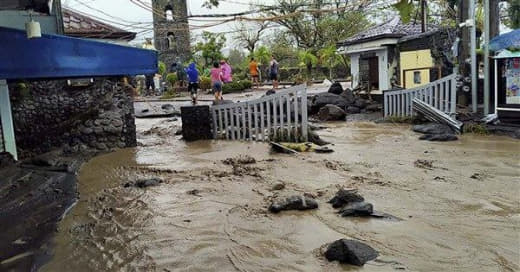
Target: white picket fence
(440, 94)
(280, 117)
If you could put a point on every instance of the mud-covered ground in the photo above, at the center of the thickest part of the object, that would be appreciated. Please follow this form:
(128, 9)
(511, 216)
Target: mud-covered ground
(458, 202)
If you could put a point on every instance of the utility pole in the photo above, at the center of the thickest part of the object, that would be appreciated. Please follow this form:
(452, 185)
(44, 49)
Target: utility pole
(487, 34)
(424, 16)
(473, 50)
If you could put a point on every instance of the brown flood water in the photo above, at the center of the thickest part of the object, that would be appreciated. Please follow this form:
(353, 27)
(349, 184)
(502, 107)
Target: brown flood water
(451, 222)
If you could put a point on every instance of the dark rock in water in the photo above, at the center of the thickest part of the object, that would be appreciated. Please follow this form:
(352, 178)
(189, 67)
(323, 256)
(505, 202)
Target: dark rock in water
(331, 113)
(357, 209)
(349, 96)
(143, 183)
(439, 137)
(374, 107)
(350, 252)
(353, 110)
(433, 128)
(294, 203)
(313, 137)
(360, 103)
(344, 197)
(168, 107)
(336, 88)
(222, 102)
(323, 99)
(270, 92)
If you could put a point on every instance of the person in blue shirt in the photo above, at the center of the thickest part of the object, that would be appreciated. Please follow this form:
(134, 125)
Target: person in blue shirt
(193, 81)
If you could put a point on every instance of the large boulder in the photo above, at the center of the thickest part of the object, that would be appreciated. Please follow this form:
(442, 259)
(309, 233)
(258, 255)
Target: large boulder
(331, 113)
(293, 203)
(361, 103)
(335, 88)
(374, 107)
(433, 128)
(350, 252)
(349, 96)
(353, 110)
(357, 209)
(344, 197)
(322, 99)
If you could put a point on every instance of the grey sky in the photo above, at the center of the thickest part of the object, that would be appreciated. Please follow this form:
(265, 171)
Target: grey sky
(126, 10)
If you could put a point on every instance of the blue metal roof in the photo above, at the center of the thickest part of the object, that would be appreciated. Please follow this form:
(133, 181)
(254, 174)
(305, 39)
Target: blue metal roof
(510, 41)
(56, 56)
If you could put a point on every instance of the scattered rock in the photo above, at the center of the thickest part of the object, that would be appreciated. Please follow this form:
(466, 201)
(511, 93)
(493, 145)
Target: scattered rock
(353, 110)
(357, 209)
(331, 113)
(439, 137)
(477, 176)
(270, 92)
(194, 192)
(374, 107)
(148, 182)
(322, 99)
(344, 197)
(278, 186)
(433, 128)
(168, 107)
(360, 103)
(350, 252)
(425, 164)
(293, 203)
(348, 95)
(242, 159)
(336, 88)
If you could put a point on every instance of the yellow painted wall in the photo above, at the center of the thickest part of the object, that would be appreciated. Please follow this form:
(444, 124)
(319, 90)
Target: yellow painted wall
(416, 60)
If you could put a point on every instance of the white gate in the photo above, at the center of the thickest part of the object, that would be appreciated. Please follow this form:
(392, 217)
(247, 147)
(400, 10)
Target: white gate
(440, 94)
(278, 117)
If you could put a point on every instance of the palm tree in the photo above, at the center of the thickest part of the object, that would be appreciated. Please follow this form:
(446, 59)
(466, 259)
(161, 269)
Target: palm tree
(330, 56)
(308, 59)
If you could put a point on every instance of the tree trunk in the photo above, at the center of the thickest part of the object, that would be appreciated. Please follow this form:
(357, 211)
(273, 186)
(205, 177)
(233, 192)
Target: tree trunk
(464, 45)
(494, 16)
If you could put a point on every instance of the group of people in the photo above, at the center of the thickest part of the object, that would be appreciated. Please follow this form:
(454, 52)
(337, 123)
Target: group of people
(254, 72)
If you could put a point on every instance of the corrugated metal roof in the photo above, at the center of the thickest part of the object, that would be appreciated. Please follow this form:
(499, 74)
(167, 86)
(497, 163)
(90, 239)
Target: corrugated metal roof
(390, 29)
(81, 26)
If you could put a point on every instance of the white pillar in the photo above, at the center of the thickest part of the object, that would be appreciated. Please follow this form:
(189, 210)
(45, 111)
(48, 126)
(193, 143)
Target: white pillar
(384, 80)
(473, 48)
(486, 57)
(7, 120)
(354, 69)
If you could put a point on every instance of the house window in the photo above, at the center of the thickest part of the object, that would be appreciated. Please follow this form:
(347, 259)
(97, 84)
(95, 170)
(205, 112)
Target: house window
(417, 77)
(168, 13)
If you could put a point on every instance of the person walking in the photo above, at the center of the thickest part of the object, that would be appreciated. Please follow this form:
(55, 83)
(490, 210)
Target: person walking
(273, 72)
(216, 81)
(193, 81)
(253, 71)
(226, 71)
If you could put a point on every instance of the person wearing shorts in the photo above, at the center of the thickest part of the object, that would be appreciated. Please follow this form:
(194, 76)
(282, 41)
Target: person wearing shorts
(216, 81)
(193, 81)
(273, 72)
(253, 71)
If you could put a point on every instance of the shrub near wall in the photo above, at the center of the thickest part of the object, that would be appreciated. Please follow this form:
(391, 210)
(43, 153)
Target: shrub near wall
(236, 86)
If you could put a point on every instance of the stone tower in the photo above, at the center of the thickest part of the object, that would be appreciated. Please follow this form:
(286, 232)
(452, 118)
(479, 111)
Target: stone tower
(171, 30)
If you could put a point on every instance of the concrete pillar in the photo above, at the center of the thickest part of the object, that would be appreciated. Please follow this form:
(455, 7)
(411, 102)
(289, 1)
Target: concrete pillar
(196, 123)
(7, 120)
(354, 69)
(384, 80)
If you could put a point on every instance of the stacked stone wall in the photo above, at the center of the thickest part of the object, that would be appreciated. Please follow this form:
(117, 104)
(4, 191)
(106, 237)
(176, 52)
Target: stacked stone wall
(48, 115)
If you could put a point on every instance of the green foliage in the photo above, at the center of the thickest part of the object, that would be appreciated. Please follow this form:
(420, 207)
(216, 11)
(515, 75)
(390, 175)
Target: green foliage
(263, 55)
(405, 9)
(210, 50)
(205, 83)
(476, 129)
(171, 78)
(162, 68)
(514, 14)
(330, 58)
(236, 86)
(307, 59)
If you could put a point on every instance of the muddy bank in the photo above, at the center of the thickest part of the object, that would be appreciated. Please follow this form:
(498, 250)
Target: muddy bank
(34, 195)
(459, 211)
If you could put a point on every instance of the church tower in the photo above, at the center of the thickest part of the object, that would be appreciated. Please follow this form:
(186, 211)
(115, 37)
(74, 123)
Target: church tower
(171, 30)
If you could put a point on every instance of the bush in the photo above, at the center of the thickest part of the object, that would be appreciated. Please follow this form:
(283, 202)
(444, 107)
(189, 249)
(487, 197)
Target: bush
(172, 79)
(236, 86)
(205, 83)
(161, 67)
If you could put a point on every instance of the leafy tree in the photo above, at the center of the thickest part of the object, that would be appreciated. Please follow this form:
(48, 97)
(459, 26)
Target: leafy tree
(308, 59)
(236, 57)
(406, 9)
(263, 56)
(250, 34)
(210, 48)
(330, 57)
(513, 12)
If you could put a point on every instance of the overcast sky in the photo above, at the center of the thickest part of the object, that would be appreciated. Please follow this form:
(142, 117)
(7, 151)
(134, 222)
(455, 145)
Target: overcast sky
(128, 11)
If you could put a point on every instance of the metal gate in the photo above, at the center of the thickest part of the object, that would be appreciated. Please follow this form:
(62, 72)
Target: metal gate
(281, 116)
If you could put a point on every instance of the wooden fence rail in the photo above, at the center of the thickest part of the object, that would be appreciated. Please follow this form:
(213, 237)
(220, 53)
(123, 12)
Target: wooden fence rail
(278, 117)
(440, 94)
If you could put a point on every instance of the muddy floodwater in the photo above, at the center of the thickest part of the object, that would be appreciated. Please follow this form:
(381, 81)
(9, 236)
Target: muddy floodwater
(459, 203)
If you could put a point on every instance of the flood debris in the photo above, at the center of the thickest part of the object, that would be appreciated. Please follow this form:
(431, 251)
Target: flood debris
(439, 137)
(290, 148)
(242, 166)
(350, 252)
(242, 159)
(425, 164)
(296, 202)
(435, 132)
(144, 183)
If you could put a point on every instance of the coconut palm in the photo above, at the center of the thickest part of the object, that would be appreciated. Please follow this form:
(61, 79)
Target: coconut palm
(330, 56)
(307, 59)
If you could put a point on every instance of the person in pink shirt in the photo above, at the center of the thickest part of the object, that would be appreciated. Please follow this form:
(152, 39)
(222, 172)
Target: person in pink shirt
(216, 81)
(226, 71)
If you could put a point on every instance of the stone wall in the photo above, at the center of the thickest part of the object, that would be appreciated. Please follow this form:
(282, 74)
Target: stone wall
(49, 114)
